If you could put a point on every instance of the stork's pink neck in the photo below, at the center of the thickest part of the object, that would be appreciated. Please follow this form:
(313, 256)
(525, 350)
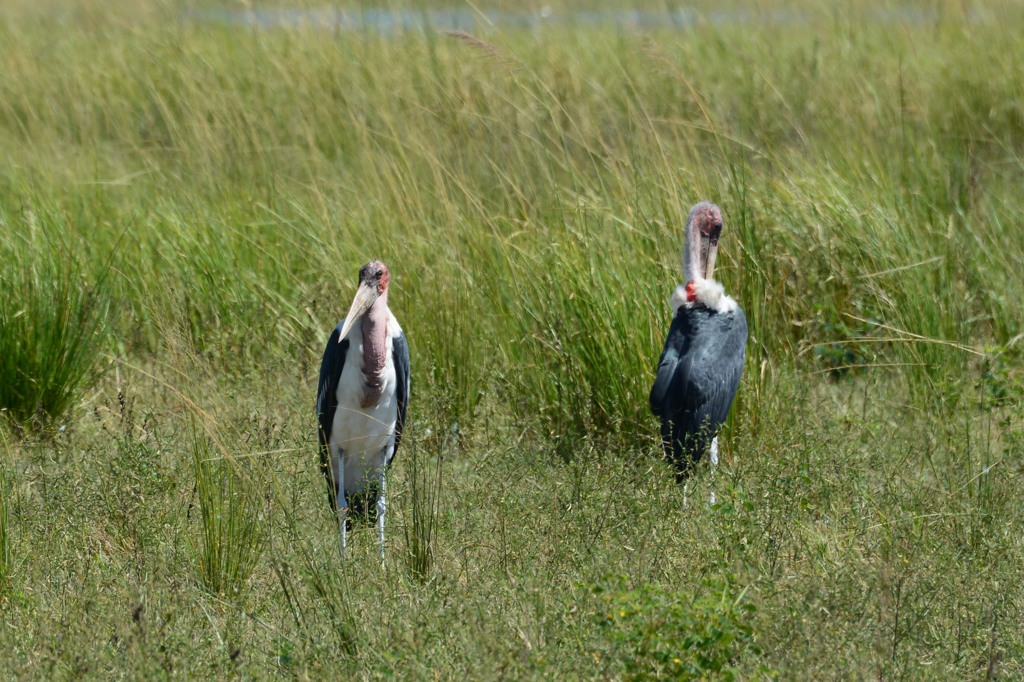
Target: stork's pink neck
(375, 333)
(691, 253)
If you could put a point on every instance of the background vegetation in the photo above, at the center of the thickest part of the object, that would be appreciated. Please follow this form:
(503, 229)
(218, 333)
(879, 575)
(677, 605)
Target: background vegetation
(186, 199)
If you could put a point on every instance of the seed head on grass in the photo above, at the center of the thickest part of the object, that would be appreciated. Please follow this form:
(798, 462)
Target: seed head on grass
(509, 61)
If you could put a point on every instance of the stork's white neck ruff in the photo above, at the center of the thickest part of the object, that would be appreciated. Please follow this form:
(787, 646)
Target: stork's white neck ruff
(705, 292)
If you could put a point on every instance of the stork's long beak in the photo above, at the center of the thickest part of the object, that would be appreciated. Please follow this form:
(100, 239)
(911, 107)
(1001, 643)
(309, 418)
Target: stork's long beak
(365, 296)
(709, 260)
(706, 260)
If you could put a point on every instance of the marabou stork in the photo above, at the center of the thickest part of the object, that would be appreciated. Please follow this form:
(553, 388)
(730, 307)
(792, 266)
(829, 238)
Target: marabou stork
(361, 401)
(700, 366)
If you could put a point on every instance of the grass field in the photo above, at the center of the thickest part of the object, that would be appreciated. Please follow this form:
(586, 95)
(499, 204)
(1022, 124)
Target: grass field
(184, 207)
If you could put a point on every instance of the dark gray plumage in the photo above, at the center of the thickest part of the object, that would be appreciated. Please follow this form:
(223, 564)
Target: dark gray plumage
(331, 364)
(698, 374)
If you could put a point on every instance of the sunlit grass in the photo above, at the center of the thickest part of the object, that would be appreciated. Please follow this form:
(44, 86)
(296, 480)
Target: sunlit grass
(527, 188)
(232, 530)
(54, 319)
(426, 495)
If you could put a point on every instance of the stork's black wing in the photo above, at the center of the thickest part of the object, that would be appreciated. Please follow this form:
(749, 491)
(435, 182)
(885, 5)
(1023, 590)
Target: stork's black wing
(327, 400)
(698, 374)
(719, 351)
(400, 356)
(666, 380)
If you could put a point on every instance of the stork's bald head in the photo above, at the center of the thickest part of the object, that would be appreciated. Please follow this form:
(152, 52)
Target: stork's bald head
(373, 285)
(703, 230)
(375, 276)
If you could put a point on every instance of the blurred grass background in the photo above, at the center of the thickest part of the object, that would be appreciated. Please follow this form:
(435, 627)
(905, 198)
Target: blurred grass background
(187, 198)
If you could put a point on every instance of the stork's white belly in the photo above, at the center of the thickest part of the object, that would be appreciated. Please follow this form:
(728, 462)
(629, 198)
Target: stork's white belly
(362, 438)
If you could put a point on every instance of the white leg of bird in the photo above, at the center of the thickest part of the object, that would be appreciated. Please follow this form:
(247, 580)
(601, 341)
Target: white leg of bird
(342, 514)
(686, 493)
(714, 466)
(381, 507)
(339, 477)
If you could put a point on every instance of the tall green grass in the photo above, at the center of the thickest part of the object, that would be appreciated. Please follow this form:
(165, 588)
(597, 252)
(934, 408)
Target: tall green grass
(527, 189)
(501, 183)
(426, 496)
(54, 319)
(232, 528)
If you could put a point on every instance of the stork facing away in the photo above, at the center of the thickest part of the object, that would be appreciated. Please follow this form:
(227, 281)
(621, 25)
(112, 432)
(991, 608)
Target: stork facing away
(361, 402)
(701, 364)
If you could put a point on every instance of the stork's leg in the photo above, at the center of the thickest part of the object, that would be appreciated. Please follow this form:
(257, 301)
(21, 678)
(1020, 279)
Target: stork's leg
(339, 482)
(342, 513)
(381, 506)
(714, 466)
